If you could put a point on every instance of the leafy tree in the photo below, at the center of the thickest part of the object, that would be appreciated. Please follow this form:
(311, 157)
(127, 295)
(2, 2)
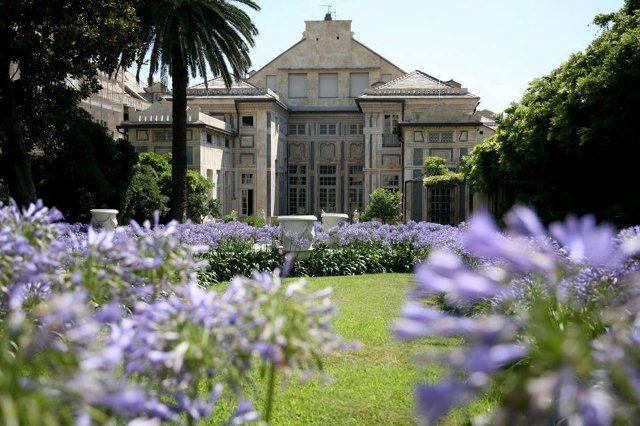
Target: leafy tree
(81, 166)
(384, 204)
(151, 187)
(571, 142)
(43, 47)
(144, 197)
(185, 36)
(199, 202)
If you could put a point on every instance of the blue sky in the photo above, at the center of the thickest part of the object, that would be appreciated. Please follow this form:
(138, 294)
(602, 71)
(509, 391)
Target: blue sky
(493, 47)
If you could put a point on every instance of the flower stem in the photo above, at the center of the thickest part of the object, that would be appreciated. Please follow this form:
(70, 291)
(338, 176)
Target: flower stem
(271, 385)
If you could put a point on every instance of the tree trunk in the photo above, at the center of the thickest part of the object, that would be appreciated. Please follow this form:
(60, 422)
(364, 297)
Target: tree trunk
(14, 161)
(179, 146)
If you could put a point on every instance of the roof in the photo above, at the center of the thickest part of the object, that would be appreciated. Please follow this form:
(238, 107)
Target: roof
(416, 83)
(160, 114)
(219, 84)
(131, 85)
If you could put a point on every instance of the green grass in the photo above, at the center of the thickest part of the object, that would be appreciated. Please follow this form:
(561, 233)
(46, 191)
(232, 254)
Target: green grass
(372, 386)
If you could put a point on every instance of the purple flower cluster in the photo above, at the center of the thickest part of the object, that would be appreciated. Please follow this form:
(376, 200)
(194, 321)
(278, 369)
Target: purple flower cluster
(417, 234)
(113, 325)
(561, 331)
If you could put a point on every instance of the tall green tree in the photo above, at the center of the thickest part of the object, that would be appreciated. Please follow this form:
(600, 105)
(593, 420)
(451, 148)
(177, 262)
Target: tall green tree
(571, 143)
(81, 166)
(192, 36)
(48, 48)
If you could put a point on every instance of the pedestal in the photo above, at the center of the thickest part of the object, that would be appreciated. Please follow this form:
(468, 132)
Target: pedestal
(297, 233)
(332, 219)
(104, 219)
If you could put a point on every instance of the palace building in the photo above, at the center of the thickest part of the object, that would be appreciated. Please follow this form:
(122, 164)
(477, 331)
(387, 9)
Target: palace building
(320, 127)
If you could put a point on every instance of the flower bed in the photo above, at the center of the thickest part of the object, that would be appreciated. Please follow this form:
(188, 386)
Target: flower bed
(113, 326)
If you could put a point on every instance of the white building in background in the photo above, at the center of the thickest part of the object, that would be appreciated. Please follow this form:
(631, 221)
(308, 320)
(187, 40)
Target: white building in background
(320, 127)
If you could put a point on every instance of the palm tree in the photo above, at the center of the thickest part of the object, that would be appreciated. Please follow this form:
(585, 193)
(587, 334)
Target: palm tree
(192, 36)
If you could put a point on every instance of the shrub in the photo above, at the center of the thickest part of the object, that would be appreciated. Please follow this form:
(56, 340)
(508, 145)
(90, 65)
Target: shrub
(255, 220)
(232, 216)
(385, 205)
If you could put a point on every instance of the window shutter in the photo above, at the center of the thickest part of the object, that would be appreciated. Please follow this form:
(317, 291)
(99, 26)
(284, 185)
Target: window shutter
(328, 86)
(359, 82)
(271, 83)
(297, 85)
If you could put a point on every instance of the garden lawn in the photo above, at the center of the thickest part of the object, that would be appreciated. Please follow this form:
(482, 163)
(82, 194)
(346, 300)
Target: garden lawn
(374, 385)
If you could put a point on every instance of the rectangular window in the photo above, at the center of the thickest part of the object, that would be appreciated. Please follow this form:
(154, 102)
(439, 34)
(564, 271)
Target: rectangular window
(271, 83)
(189, 135)
(247, 120)
(142, 148)
(246, 178)
(358, 83)
(209, 138)
(246, 202)
(160, 136)
(328, 87)
(440, 202)
(142, 135)
(418, 137)
(190, 156)
(356, 188)
(355, 129)
(246, 141)
(297, 129)
(447, 154)
(297, 85)
(464, 136)
(327, 180)
(162, 150)
(327, 129)
(391, 181)
(440, 137)
(297, 189)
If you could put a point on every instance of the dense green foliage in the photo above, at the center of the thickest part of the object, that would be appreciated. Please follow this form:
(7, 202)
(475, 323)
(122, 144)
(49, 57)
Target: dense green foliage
(183, 37)
(384, 205)
(150, 190)
(238, 258)
(437, 173)
(52, 43)
(570, 144)
(255, 220)
(81, 166)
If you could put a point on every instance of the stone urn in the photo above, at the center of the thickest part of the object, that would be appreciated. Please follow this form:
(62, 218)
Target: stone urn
(330, 220)
(104, 219)
(297, 233)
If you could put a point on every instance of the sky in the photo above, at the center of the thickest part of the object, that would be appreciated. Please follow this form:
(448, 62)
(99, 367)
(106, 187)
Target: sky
(493, 47)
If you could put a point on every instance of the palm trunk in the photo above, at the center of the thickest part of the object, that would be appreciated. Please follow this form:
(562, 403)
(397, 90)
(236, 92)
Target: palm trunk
(179, 145)
(14, 161)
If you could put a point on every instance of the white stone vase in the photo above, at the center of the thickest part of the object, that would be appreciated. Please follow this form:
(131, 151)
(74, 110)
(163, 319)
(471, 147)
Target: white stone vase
(104, 219)
(332, 219)
(297, 233)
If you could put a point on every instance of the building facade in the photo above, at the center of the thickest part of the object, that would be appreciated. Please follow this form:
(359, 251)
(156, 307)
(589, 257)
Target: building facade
(324, 124)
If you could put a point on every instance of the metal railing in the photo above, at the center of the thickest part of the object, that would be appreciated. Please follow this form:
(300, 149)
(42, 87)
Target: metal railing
(390, 140)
